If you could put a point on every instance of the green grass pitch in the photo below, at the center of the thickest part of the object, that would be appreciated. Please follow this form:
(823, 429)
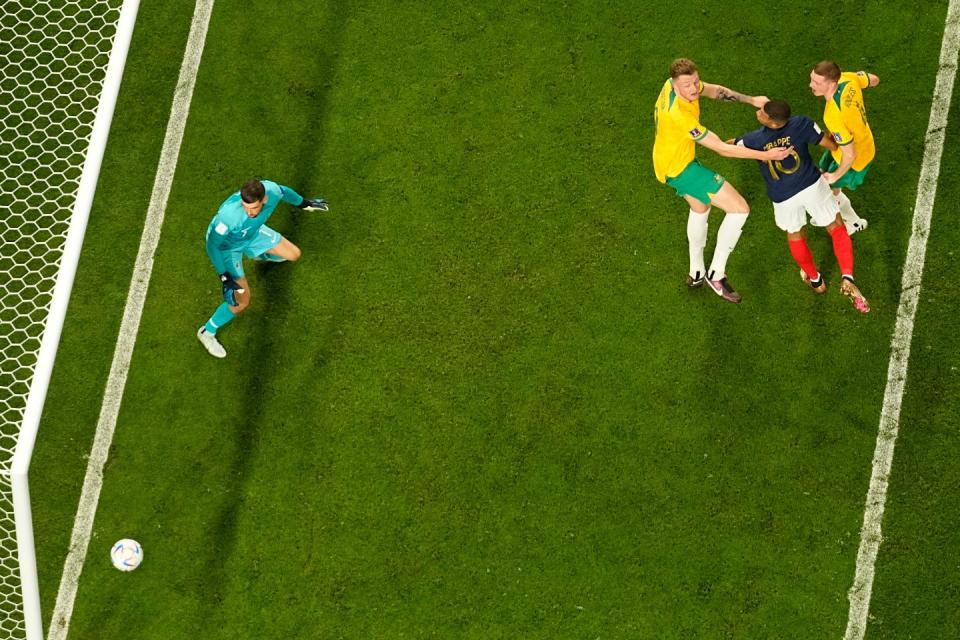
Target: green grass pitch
(483, 404)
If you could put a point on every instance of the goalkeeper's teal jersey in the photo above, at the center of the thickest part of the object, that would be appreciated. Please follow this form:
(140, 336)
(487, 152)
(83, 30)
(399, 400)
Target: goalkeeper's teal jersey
(231, 230)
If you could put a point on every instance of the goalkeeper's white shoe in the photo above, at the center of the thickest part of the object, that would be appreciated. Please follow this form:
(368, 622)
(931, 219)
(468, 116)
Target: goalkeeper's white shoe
(210, 343)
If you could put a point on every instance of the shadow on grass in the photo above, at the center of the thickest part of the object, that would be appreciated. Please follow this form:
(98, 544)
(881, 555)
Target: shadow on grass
(274, 293)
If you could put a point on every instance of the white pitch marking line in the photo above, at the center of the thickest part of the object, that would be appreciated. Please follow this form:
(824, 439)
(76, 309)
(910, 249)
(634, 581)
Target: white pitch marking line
(93, 481)
(870, 535)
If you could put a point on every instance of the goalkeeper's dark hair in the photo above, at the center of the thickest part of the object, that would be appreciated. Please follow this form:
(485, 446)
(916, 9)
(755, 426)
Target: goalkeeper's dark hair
(252, 191)
(778, 110)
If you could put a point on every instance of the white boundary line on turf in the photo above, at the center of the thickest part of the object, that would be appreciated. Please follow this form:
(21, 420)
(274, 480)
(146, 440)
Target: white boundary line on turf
(93, 481)
(870, 535)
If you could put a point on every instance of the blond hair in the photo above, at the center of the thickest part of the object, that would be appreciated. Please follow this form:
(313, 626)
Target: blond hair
(828, 69)
(682, 67)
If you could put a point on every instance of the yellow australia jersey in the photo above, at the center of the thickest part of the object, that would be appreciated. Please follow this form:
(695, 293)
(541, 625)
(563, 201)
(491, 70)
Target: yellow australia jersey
(846, 118)
(678, 129)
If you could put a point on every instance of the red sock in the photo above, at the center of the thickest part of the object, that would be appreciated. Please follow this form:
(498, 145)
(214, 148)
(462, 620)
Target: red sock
(843, 249)
(801, 253)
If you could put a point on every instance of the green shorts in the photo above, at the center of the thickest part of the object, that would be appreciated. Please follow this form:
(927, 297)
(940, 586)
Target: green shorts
(850, 180)
(697, 181)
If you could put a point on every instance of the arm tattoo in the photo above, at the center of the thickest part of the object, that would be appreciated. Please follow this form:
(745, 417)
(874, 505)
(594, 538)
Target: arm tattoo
(729, 96)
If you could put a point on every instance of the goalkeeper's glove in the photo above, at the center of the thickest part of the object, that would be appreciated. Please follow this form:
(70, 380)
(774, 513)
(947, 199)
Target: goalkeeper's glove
(314, 205)
(230, 289)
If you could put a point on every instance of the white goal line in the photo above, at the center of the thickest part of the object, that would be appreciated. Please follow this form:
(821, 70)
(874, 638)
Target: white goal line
(130, 325)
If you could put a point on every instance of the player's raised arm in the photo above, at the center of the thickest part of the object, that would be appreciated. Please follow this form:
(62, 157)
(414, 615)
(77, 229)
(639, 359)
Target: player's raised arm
(866, 80)
(714, 143)
(290, 196)
(719, 92)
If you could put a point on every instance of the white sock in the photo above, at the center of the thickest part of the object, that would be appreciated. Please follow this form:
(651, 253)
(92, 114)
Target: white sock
(727, 237)
(697, 238)
(846, 209)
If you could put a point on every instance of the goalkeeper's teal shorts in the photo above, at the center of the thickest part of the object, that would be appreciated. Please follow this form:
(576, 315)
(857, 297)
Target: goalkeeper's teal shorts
(265, 240)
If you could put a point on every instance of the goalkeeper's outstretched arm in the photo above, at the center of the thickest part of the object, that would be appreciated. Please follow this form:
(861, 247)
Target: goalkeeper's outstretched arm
(290, 196)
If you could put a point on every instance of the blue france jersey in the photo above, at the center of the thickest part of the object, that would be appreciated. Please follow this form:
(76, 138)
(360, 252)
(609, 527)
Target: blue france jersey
(232, 229)
(788, 177)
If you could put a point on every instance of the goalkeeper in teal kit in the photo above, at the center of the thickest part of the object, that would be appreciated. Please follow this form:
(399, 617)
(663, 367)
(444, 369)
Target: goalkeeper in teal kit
(239, 229)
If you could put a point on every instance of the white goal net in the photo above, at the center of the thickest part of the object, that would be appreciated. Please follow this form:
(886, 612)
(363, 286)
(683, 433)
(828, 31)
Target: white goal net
(60, 66)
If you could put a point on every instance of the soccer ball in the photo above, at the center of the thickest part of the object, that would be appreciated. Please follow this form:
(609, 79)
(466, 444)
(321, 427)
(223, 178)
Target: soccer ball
(126, 554)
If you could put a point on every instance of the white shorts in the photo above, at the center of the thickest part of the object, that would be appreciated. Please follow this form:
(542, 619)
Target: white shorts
(816, 200)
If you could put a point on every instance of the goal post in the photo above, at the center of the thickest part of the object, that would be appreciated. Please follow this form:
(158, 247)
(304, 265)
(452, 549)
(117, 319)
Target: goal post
(62, 62)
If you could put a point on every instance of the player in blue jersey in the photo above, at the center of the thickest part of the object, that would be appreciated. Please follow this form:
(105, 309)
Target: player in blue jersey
(239, 230)
(798, 189)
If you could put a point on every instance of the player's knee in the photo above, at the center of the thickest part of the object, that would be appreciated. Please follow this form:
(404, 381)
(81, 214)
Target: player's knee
(739, 205)
(242, 303)
(730, 200)
(295, 253)
(699, 207)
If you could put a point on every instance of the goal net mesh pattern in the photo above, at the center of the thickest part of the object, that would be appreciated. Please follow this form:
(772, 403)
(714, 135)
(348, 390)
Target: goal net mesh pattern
(53, 60)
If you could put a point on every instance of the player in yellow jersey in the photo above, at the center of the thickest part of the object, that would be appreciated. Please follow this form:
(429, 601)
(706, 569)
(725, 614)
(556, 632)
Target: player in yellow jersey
(677, 117)
(846, 117)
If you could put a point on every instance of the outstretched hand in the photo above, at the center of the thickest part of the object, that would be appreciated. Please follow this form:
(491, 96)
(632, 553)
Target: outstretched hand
(759, 101)
(318, 204)
(777, 153)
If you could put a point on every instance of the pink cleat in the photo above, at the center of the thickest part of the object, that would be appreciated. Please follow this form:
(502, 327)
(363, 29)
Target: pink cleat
(723, 289)
(849, 289)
